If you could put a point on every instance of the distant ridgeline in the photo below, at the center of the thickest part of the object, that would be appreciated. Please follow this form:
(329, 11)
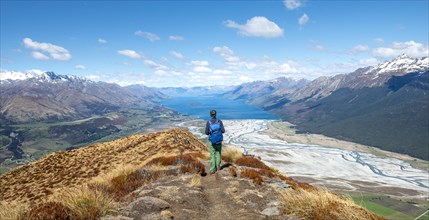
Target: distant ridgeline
(41, 112)
(385, 106)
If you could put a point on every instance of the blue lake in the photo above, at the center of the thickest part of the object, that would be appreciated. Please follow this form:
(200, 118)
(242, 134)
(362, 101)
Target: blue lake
(226, 108)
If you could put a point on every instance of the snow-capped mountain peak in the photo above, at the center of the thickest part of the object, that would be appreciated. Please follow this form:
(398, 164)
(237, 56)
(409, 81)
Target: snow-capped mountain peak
(15, 75)
(39, 75)
(401, 64)
(403, 57)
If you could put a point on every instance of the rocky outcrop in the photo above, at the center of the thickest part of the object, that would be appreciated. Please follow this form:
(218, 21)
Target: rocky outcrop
(219, 196)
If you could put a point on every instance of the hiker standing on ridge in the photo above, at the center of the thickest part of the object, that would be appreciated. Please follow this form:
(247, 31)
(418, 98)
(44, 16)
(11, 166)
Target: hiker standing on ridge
(214, 129)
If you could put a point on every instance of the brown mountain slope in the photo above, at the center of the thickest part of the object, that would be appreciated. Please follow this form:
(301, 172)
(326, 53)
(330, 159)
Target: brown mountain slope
(165, 179)
(33, 182)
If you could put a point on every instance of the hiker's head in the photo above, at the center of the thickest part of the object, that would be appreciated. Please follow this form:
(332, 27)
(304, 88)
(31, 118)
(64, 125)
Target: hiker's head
(213, 113)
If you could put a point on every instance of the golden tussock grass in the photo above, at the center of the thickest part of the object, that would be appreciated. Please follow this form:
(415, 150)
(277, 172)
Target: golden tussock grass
(120, 170)
(321, 205)
(48, 210)
(267, 173)
(275, 170)
(187, 162)
(233, 171)
(34, 182)
(296, 184)
(202, 155)
(253, 175)
(95, 174)
(11, 210)
(206, 155)
(121, 182)
(87, 203)
(231, 154)
(125, 183)
(166, 214)
(155, 168)
(251, 162)
(196, 181)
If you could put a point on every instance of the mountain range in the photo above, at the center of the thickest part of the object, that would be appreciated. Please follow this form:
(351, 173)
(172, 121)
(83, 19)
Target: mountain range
(42, 112)
(252, 90)
(194, 91)
(47, 96)
(385, 105)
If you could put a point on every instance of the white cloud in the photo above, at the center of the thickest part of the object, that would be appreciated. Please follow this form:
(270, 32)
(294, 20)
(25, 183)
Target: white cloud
(234, 69)
(55, 52)
(80, 67)
(92, 77)
(319, 47)
(293, 4)
(228, 55)
(379, 40)
(359, 49)
(260, 69)
(303, 19)
(170, 73)
(176, 38)
(200, 63)
(151, 63)
(102, 41)
(288, 68)
(250, 65)
(411, 48)
(39, 56)
(245, 78)
(159, 69)
(257, 27)
(150, 36)
(176, 55)
(202, 69)
(222, 72)
(201, 66)
(223, 50)
(165, 60)
(129, 53)
(369, 62)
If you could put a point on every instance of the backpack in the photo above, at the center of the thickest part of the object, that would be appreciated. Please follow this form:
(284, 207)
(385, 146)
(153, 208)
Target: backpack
(215, 133)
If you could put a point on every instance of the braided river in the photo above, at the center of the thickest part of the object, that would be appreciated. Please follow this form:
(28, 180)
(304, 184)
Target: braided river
(326, 166)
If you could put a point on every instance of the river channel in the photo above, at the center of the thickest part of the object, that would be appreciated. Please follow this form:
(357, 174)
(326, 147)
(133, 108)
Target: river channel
(326, 166)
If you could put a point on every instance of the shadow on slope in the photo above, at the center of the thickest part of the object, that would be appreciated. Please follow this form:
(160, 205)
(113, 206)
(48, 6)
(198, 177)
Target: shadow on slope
(394, 117)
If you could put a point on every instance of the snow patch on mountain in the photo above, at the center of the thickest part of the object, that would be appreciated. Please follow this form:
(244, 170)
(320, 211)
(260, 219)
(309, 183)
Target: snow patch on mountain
(38, 75)
(401, 64)
(15, 75)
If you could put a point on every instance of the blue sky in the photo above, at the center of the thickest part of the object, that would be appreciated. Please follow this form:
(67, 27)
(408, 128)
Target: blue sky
(194, 43)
